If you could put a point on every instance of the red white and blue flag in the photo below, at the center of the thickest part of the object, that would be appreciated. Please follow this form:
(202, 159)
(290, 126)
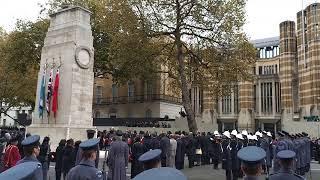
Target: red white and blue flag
(49, 94)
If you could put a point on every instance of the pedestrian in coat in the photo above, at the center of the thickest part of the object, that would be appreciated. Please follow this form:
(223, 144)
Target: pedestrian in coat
(191, 149)
(44, 157)
(86, 170)
(68, 157)
(59, 156)
(11, 155)
(181, 151)
(137, 150)
(117, 160)
(217, 150)
(164, 146)
(31, 151)
(172, 152)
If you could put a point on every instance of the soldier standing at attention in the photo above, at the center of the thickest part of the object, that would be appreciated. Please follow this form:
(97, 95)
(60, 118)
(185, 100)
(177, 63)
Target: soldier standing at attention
(118, 158)
(252, 158)
(280, 146)
(86, 168)
(31, 152)
(286, 172)
(26, 170)
(90, 135)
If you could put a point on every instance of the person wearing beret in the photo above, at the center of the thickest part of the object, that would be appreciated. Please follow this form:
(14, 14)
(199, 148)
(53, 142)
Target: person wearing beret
(31, 151)
(23, 171)
(90, 135)
(163, 173)
(118, 157)
(86, 169)
(252, 158)
(286, 158)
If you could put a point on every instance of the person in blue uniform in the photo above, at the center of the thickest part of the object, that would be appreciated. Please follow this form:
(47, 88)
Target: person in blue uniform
(86, 168)
(163, 173)
(90, 135)
(31, 151)
(251, 158)
(286, 158)
(151, 159)
(23, 171)
(280, 146)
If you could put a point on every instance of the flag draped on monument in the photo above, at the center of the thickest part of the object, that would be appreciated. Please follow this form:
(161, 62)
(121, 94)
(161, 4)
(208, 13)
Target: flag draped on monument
(55, 94)
(42, 93)
(49, 94)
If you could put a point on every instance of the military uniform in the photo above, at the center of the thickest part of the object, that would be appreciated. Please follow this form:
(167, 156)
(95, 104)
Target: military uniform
(86, 168)
(32, 141)
(280, 146)
(23, 171)
(286, 173)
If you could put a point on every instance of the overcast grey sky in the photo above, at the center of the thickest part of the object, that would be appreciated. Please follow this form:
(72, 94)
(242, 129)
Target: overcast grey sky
(263, 16)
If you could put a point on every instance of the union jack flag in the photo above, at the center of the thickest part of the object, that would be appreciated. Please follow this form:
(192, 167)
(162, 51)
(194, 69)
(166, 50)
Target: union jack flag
(49, 93)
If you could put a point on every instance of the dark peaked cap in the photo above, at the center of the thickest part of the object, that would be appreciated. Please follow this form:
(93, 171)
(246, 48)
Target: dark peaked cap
(251, 155)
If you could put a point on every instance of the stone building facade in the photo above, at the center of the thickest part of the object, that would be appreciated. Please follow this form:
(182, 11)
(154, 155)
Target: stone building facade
(285, 92)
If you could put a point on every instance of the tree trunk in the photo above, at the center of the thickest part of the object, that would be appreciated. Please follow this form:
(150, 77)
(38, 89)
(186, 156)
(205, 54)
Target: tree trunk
(184, 88)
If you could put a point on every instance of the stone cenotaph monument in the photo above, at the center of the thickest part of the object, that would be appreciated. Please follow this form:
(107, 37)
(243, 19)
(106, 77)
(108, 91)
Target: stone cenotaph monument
(68, 47)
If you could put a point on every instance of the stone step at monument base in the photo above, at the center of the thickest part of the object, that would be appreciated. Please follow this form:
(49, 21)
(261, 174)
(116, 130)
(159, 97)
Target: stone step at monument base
(56, 132)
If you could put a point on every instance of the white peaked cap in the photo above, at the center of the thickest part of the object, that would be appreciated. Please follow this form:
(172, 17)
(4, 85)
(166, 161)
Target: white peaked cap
(269, 134)
(227, 133)
(239, 136)
(254, 137)
(249, 137)
(245, 132)
(216, 133)
(234, 132)
(258, 134)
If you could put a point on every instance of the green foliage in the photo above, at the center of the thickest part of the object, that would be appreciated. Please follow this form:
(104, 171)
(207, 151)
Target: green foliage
(20, 56)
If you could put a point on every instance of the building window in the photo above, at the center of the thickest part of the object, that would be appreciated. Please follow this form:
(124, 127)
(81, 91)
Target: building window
(266, 98)
(149, 90)
(148, 113)
(278, 97)
(226, 105)
(260, 70)
(113, 113)
(114, 92)
(97, 114)
(130, 89)
(98, 94)
(4, 122)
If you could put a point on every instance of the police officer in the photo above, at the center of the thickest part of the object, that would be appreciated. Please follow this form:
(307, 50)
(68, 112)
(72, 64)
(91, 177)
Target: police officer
(252, 158)
(23, 171)
(151, 159)
(86, 168)
(286, 172)
(31, 152)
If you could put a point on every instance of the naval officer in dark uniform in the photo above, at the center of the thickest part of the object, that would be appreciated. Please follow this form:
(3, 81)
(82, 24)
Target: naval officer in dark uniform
(31, 152)
(251, 158)
(286, 158)
(23, 171)
(86, 169)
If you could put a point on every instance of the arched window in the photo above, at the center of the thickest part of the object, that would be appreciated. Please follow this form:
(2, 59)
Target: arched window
(148, 113)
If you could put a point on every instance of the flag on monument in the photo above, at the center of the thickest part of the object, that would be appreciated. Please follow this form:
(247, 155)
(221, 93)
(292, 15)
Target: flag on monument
(49, 94)
(55, 94)
(42, 93)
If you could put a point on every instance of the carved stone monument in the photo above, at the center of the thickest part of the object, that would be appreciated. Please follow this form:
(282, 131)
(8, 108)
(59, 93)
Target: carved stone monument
(68, 46)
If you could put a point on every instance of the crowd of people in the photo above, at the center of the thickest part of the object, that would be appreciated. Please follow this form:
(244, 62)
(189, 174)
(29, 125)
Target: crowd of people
(170, 150)
(148, 124)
